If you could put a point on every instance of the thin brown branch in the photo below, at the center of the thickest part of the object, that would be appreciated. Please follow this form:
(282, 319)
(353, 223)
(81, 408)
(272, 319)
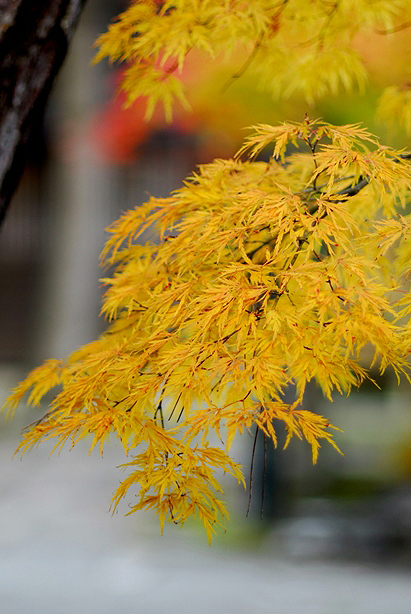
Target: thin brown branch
(403, 26)
(251, 471)
(264, 476)
(244, 67)
(175, 405)
(319, 37)
(354, 189)
(257, 249)
(254, 52)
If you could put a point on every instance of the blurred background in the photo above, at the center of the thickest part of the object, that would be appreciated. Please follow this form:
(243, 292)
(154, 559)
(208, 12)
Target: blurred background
(335, 537)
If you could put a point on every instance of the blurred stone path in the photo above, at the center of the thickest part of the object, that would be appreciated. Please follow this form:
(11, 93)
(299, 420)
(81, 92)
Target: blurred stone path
(61, 552)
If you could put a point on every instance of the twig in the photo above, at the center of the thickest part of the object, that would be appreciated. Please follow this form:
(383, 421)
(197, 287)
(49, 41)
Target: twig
(251, 471)
(318, 37)
(354, 189)
(264, 476)
(252, 55)
(256, 249)
(403, 26)
(244, 67)
(175, 405)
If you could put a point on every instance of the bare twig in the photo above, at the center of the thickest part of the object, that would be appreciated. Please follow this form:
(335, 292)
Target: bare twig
(354, 189)
(244, 67)
(252, 55)
(251, 471)
(403, 26)
(264, 476)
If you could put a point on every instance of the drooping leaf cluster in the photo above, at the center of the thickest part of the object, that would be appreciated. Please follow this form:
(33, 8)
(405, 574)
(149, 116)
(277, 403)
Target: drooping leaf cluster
(291, 46)
(266, 274)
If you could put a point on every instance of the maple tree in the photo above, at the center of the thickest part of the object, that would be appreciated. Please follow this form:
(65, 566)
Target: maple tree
(266, 274)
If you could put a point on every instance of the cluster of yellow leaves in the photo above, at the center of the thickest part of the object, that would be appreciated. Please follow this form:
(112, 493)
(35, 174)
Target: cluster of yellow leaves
(179, 483)
(394, 106)
(292, 46)
(262, 275)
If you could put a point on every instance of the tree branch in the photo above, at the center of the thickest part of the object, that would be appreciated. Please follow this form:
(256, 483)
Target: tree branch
(352, 190)
(34, 37)
(364, 181)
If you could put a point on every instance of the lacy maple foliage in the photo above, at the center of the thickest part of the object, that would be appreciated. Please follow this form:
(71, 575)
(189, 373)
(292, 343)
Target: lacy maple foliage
(261, 274)
(289, 46)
